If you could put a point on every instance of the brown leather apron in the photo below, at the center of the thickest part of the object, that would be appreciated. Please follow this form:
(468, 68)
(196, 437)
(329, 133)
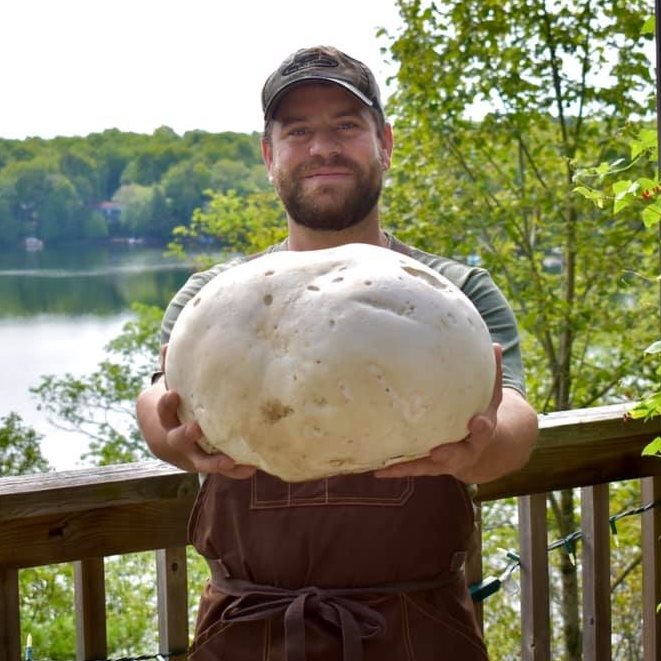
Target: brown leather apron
(345, 569)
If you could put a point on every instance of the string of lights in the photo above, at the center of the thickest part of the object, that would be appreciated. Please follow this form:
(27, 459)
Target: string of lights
(481, 590)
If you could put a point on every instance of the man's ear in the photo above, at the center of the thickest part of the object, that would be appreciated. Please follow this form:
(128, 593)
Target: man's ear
(267, 154)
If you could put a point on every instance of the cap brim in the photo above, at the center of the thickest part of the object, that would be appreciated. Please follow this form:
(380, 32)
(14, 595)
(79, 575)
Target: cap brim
(277, 97)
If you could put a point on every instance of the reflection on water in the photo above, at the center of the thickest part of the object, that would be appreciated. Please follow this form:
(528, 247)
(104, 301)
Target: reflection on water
(73, 281)
(58, 309)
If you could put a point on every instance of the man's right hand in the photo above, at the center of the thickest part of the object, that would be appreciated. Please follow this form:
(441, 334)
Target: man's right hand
(176, 442)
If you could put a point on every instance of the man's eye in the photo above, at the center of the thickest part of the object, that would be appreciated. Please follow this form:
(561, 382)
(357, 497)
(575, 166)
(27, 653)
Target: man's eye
(347, 126)
(297, 132)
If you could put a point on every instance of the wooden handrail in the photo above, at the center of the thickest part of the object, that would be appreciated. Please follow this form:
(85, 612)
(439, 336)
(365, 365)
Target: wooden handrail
(581, 448)
(60, 517)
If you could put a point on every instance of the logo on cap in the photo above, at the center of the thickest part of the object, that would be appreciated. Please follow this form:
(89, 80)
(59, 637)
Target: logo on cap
(304, 61)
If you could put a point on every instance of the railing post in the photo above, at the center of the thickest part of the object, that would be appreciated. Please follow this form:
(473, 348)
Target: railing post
(172, 584)
(90, 593)
(651, 524)
(596, 573)
(10, 630)
(535, 615)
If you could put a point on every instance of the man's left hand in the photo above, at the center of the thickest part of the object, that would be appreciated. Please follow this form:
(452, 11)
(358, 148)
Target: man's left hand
(459, 459)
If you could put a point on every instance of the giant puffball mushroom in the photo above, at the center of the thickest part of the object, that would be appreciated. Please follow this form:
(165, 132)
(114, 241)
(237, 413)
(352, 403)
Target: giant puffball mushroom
(317, 363)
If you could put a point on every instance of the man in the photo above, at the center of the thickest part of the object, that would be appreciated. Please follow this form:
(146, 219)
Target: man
(365, 566)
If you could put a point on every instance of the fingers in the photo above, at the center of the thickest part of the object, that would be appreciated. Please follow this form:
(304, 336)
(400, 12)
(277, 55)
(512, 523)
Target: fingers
(167, 409)
(415, 468)
(221, 463)
(184, 440)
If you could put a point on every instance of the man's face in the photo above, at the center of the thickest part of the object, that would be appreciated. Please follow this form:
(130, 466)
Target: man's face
(325, 157)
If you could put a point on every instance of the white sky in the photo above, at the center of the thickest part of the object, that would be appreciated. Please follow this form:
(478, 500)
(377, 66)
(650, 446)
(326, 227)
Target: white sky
(73, 67)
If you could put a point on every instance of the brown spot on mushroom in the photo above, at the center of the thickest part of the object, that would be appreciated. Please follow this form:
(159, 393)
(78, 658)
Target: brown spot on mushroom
(338, 280)
(197, 301)
(269, 273)
(273, 410)
(268, 299)
(313, 288)
(338, 463)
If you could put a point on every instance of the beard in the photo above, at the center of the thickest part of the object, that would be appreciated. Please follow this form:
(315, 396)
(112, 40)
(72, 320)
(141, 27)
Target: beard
(330, 207)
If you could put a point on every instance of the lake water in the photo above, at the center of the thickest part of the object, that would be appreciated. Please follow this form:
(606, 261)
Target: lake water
(58, 309)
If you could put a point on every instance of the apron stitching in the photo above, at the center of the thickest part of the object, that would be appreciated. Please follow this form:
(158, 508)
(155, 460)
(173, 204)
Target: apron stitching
(439, 620)
(404, 496)
(267, 640)
(406, 629)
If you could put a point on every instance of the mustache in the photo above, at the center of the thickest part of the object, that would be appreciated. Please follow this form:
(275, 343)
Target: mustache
(336, 161)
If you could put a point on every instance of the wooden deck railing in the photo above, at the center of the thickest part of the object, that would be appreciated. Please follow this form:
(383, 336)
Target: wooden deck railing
(83, 516)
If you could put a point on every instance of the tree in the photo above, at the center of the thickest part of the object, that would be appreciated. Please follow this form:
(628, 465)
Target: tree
(19, 448)
(184, 185)
(101, 404)
(136, 201)
(495, 102)
(10, 229)
(242, 224)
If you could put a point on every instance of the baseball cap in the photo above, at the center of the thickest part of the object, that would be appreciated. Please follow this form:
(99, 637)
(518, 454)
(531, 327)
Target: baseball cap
(322, 64)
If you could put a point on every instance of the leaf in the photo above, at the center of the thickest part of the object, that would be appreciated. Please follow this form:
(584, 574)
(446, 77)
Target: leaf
(647, 141)
(652, 214)
(603, 168)
(591, 194)
(649, 26)
(622, 187)
(621, 203)
(654, 348)
(648, 137)
(625, 193)
(646, 409)
(644, 183)
(653, 448)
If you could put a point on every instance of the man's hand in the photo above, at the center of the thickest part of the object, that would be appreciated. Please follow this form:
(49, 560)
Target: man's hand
(176, 442)
(499, 441)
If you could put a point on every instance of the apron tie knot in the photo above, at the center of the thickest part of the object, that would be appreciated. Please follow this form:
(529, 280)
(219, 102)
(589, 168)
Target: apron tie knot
(355, 620)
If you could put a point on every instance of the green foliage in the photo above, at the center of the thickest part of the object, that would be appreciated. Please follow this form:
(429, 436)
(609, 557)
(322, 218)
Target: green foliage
(47, 610)
(53, 189)
(245, 224)
(19, 448)
(604, 186)
(101, 405)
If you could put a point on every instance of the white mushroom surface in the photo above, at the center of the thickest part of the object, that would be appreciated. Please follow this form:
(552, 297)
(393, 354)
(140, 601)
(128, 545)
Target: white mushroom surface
(309, 364)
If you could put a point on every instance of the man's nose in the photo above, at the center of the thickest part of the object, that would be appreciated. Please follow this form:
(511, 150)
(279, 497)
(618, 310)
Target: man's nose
(325, 143)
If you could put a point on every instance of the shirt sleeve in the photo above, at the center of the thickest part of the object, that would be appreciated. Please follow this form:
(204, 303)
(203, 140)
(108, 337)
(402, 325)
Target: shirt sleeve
(186, 293)
(501, 322)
